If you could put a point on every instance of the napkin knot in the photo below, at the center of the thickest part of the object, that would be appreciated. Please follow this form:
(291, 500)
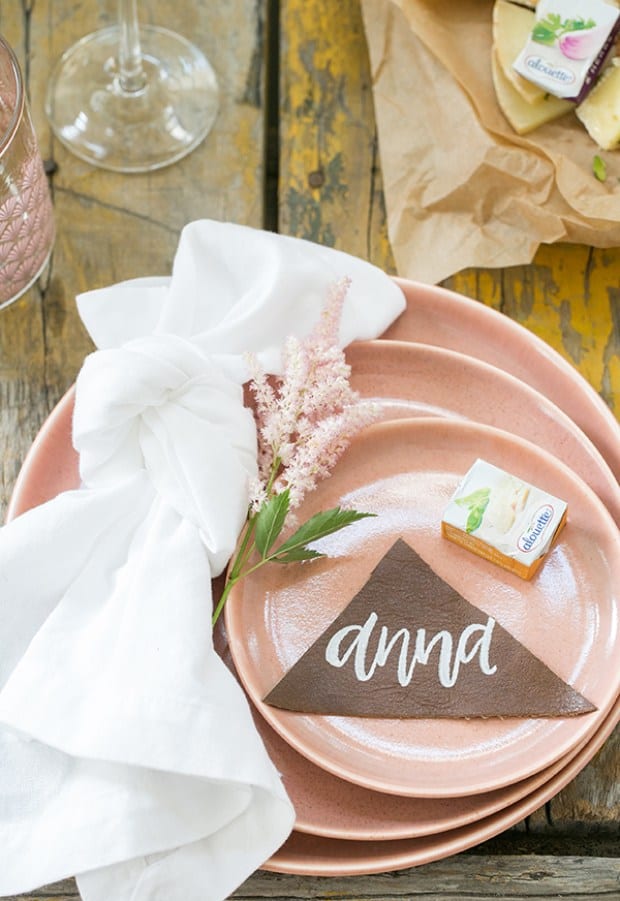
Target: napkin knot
(160, 404)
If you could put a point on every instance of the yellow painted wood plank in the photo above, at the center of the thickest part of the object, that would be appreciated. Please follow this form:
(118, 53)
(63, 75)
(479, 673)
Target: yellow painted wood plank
(330, 186)
(570, 297)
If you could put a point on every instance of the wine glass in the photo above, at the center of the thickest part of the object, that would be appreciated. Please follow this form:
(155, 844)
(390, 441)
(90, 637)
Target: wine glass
(132, 98)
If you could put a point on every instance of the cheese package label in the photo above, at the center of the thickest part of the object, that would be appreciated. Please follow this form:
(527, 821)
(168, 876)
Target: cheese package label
(568, 46)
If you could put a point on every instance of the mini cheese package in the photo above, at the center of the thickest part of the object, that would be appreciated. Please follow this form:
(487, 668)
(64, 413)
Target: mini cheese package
(503, 519)
(568, 45)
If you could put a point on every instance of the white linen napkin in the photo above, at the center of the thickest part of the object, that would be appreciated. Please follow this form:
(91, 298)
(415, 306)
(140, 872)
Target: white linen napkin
(128, 755)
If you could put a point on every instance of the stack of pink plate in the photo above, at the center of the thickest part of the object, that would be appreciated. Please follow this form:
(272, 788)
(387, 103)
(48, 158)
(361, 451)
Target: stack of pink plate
(454, 381)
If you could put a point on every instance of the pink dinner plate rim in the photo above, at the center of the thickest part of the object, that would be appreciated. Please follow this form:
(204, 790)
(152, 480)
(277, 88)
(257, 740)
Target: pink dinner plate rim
(541, 367)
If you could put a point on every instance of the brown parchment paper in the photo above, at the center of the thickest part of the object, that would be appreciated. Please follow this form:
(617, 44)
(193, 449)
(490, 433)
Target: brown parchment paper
(461, 188)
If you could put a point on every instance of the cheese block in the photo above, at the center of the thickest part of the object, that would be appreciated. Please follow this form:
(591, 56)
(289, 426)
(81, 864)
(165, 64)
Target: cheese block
(512, 26)
(523, 116)
(600, 111)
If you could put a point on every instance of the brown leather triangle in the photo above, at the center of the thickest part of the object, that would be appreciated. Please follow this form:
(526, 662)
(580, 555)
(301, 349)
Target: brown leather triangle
(408, 645)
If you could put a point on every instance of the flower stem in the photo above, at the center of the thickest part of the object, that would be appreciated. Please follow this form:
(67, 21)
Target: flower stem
(237, 573)
(220, 605)
(231, 581)
(234, 573)
(246, 547)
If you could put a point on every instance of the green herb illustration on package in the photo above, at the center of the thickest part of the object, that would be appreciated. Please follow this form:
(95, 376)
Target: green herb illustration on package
(554, 28)
(476, 503)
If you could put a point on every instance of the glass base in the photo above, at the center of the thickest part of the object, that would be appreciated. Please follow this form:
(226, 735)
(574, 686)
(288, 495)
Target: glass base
(7, 301)
(132, 131)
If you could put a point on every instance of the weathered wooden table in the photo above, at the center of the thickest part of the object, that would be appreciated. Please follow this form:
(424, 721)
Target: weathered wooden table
(295, 150)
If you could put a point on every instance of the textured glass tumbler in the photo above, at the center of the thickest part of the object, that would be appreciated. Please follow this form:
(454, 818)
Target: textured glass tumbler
(26, 219)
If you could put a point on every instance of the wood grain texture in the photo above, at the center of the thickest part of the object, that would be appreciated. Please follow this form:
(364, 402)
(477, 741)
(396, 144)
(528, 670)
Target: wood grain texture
(569, 297)
(330, 186)
(477, 878)
(330, 191)
(592, 800)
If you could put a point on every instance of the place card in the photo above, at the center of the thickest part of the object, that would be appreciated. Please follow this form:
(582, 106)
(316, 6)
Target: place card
(408, 645)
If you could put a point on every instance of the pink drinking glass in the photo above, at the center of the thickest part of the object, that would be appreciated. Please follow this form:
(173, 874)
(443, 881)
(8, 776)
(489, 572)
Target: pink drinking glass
(26, 220)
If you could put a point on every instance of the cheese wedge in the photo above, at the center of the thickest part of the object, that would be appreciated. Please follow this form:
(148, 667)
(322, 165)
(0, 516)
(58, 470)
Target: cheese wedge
(512, 26)
(523, 116)
(600, 111)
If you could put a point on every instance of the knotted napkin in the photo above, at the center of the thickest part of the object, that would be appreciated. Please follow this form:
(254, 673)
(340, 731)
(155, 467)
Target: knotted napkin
(128, 755)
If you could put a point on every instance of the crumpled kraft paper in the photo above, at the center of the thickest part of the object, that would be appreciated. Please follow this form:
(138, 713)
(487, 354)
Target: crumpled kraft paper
(462, 189)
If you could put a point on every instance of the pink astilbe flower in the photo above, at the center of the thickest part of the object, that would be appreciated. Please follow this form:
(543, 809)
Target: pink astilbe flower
(316, 456)
(265, 400)
(306, 422)
(326, 332)
(257, 494)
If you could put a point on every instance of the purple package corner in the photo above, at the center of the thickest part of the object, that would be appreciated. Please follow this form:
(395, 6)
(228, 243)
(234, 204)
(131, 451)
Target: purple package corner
(598, 63)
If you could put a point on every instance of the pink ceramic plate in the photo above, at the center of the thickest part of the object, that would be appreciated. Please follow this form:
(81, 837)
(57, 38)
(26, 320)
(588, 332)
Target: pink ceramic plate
(406, 471)
(440, 317)
(445, 319)
(51, 464)
(391, 374)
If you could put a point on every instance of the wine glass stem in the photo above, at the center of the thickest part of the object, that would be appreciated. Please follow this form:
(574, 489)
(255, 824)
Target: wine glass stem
(131, 73)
